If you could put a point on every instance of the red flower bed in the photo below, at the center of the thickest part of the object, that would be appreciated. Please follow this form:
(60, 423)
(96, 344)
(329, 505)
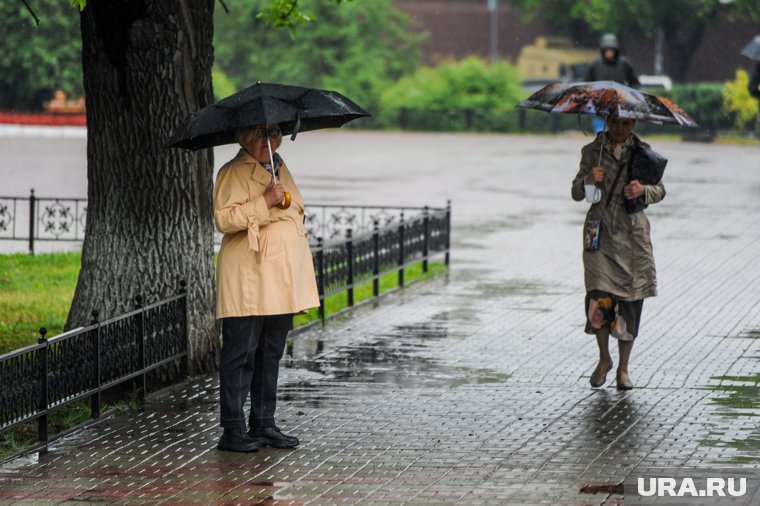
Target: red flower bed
(13, 118)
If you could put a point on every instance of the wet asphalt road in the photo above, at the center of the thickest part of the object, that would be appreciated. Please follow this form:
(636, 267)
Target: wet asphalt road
(471, 389)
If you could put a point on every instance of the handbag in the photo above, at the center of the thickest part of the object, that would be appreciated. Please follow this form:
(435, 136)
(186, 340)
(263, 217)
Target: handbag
(646, 166)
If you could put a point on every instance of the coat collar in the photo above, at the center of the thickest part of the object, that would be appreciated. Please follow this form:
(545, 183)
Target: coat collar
(262, 176)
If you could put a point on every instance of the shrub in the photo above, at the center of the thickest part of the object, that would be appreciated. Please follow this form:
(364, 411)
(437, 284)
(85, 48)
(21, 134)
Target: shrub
(704, 103)
(472, 93)
(737, 101)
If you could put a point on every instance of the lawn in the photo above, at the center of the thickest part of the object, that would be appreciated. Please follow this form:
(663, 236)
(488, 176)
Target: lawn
(37, 290)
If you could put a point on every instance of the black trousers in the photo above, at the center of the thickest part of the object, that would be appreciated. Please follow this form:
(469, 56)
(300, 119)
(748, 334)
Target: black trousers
(250, 362)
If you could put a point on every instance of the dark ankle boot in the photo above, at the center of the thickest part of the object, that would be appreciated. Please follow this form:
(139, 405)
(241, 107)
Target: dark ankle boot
(237, 440)
(272, 436)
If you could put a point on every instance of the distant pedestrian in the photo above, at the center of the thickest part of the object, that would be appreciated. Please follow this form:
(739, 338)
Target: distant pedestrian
(610, 66)
(754, 82)
(618, 260)
(265, 275)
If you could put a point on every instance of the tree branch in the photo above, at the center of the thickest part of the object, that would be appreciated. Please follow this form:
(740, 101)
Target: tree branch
(36, 20)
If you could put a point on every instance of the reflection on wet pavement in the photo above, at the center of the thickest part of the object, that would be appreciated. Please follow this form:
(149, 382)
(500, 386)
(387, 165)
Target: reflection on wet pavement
(403, 357)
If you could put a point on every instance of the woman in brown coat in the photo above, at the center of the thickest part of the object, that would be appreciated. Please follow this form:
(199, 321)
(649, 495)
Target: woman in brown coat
(618, 260)
(265, 275)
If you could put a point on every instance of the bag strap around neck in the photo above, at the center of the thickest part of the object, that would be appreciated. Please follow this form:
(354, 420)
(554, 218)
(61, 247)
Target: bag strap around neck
(614, 185)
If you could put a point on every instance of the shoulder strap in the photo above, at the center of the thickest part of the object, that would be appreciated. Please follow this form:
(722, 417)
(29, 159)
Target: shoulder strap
(614, 185)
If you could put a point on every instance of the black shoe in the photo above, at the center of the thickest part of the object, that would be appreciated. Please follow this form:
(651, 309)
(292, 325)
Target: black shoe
(271, 436)
(237, 440)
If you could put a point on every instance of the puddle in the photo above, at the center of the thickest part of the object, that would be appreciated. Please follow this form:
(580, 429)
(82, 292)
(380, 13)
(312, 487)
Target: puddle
(509, 222)
(749, 334)
(404, 357)
(512, 287)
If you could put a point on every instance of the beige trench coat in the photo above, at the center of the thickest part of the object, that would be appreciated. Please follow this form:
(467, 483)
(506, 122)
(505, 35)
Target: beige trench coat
(265, 264)
(624, 264)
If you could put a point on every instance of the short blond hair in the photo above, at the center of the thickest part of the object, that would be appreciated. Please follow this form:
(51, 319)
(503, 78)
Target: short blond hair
(244, 136)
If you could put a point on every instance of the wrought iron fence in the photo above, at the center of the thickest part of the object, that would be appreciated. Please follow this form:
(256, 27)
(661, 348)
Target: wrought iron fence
(341, 265)
(82, 363)
(35, 219)
(42, 219)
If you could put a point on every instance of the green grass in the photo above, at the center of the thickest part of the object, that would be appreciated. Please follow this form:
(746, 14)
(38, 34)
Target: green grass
(740, 401)
(363, 291)
(35, 291)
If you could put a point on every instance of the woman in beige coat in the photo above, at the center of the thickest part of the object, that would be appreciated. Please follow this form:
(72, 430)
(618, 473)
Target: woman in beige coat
(618, 259)
(265, 275)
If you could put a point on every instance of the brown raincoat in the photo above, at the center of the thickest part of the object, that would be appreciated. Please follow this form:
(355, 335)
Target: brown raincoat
(265, 264)
(624, 263)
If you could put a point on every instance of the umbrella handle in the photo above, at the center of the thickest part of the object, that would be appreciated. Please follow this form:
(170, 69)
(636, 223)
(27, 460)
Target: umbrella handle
(601, 149)
(286, 200)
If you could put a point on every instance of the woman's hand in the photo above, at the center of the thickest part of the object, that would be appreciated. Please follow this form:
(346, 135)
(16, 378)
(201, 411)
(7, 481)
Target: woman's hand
(274, 194)
(633, 189)
(595, 176)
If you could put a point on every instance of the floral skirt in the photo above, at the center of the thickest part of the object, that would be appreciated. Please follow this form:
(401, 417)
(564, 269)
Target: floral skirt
(605, 311)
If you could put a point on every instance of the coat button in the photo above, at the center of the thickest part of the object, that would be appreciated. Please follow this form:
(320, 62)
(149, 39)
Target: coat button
(300, 211)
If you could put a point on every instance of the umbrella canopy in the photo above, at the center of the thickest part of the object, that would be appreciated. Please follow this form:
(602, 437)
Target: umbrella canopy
(606, 98)
(752, 50)
(294, 108)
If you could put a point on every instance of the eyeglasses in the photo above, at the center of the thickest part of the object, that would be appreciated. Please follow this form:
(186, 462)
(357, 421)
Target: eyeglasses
(263, 132)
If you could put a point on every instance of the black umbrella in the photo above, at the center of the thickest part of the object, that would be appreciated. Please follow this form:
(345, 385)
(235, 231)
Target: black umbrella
(294, 108)
(752, 50)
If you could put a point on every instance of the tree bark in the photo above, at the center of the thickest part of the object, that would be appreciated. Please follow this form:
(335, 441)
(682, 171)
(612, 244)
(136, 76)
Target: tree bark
(147, 64)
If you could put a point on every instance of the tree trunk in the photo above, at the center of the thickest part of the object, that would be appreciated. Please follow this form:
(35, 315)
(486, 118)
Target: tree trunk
(147, 64)
(682, 43)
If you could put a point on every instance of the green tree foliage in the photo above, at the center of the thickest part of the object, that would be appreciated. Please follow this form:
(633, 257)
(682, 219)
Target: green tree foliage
(36, 60)
(683, 22)
(739, 103)
(357, 49)
(469, 84)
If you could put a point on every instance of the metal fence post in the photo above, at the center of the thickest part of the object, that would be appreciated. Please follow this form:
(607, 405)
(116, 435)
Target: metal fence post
(42, 421)
(321, 278)
(376, 259)
(95, 399)
(448, 231)
(143, 381)
(401, 227)
(32, 205)
(350, 255)
(426, 238)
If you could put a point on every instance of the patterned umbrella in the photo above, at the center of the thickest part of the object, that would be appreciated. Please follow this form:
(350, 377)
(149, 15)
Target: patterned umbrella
(605, 99)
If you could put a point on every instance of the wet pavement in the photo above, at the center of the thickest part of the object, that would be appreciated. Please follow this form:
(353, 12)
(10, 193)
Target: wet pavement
(472, 389)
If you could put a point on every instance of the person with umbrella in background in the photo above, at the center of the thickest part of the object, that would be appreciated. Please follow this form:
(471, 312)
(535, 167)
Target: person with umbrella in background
(620, 176)
(265, 273)
(618, 259)
(610, 66)
(754, 82)
(752, 51)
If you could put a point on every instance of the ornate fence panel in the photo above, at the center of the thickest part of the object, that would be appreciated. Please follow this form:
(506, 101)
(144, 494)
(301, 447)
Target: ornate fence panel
(35, 219)
(81, 363)
(42, 219)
